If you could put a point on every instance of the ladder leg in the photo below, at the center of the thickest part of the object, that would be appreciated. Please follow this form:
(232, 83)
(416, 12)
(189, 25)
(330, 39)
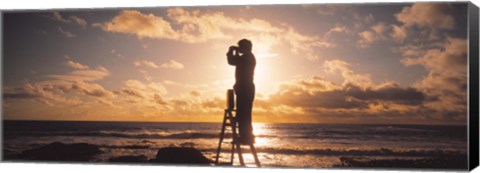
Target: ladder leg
(254, 153)
(221, 137)
(240, 155)
(233, 121)
(232, 153)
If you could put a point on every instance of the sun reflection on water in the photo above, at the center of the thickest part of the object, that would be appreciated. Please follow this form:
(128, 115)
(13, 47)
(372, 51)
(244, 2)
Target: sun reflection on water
(261, 130)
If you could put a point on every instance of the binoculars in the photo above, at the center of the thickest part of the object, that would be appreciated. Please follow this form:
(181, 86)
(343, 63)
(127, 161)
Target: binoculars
(233, 48)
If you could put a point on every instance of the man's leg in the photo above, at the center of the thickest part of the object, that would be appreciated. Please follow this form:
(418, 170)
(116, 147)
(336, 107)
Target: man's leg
(248, 123)
(249, 105)
(245, 97)
(241, 112)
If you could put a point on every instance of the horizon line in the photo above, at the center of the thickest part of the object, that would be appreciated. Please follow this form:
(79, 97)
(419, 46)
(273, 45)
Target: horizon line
(122, 121)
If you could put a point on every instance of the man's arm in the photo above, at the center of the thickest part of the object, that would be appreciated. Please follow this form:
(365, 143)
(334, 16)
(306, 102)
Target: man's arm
(232, 57)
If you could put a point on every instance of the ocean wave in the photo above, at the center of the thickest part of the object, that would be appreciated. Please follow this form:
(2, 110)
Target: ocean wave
(188, 134)
(119, 134)
(355, 152)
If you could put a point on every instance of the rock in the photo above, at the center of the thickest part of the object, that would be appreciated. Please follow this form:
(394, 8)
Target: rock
(9, 154)
(58, 151)
(180, 155)
(129, 159)
(452, 162)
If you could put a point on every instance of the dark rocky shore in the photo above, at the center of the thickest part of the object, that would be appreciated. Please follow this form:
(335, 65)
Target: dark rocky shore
(187, 154)
(83, 152)
(453, 162)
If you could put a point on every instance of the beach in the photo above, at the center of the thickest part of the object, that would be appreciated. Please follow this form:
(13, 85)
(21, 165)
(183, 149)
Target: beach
(278, 145)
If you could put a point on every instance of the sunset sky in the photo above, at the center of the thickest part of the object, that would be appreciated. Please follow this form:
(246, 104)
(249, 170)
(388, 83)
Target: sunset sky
(364, 63)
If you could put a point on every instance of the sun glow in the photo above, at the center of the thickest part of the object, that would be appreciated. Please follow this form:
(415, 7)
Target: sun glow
(263, 71)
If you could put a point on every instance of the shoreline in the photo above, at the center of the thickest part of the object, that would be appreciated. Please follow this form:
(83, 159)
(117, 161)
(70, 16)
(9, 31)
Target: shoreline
(63, 152)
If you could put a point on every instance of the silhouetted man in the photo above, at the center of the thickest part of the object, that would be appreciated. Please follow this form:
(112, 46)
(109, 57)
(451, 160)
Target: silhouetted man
(244, 60)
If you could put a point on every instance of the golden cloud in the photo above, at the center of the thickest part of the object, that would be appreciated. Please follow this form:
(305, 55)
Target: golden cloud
(332, 66)
(83, 75)
(446, 80)
(172, 64)
(197, 26)
(432, 15)
(76, 65)
(145, 63)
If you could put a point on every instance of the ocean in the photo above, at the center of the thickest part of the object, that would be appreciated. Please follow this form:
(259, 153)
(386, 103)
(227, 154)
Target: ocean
(278, 145)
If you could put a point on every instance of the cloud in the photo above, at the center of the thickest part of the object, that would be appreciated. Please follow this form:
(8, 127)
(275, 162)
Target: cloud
(346, 97)
(44, 93)
(82, 75)
(366, 38)
(79, 21)
(375, 33)
(198, 26)
(336, 29)
(66, 33)
(379, 28)
(7, 95)
(433, 15)
(298, 95)
(48, 92)
(195, 93)
(141, 25)
(332, 66)
(328, 9)
(58, 17)
(90, 89)
(399, 33)
(57, 91)
(189, 86)
(145, 63)
(360, 99)
(172, 64)
(76, 65)
(139, 90)
(420, 20)
(451, 58)
(357, 99)
(17, 93)
(446, 78)
(146, 95)
(423, 19)
(73, 88)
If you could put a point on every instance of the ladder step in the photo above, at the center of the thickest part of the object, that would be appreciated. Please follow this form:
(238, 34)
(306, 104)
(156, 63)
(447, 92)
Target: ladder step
(231, 121)
(225, 164)
(232, 142)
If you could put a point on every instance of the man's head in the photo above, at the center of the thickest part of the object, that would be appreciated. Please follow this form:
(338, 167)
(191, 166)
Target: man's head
(245, 46)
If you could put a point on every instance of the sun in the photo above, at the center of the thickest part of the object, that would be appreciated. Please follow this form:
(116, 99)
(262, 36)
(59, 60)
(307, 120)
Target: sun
(263, 70)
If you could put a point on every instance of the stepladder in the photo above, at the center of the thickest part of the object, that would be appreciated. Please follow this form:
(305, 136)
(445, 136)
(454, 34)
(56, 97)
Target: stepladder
(229, 120)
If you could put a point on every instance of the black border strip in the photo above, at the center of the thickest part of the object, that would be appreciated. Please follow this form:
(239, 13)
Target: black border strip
(2, 25)
(473, 87)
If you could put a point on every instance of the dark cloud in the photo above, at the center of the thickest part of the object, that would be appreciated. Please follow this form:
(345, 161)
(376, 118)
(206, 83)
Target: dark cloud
(214, 103)
(19, 96)
(132, 92)
(326, 99)
(446, 78)
(158, 99)
(349, 96)
(394, 93)
(195, 93)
